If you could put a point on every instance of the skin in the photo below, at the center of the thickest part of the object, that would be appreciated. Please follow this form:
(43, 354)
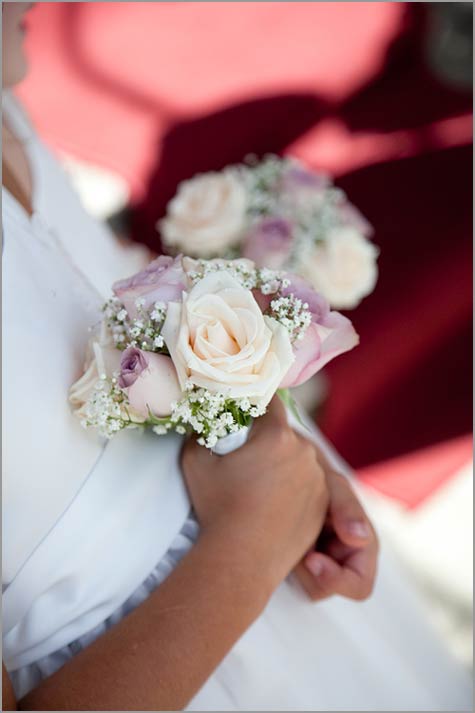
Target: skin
(14, 62)
(276, 511)
(14, 69)
(344, 561)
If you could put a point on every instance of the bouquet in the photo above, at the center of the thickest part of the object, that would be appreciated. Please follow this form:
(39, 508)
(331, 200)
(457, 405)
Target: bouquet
(201, 346)
(281, 215)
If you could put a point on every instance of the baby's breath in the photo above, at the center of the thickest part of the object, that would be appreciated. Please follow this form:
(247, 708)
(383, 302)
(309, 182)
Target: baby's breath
(142, 331)
(160, 429)
(293, 314)
(106, 409)
(249, 277)
(261, 178)
(210, 415)
(242, 270)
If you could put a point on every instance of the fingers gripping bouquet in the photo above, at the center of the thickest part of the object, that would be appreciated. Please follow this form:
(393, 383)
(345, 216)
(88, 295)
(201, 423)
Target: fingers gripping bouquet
(202, 346)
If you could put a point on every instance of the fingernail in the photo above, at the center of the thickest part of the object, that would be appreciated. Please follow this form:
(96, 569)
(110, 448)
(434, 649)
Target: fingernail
(314, 566)
(358, 528)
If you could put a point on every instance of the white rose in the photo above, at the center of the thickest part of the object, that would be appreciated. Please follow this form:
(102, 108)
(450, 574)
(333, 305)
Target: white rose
(102, 359)
(342, 268)
(219, 339)
(207, 215)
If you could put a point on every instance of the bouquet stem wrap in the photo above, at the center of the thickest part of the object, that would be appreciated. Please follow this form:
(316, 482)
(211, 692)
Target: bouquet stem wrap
(232, 441)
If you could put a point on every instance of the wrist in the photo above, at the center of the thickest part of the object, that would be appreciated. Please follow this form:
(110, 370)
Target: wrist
(237, 562)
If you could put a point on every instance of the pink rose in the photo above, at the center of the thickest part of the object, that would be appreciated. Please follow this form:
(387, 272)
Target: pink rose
(269, 243)
(329, 335)
(150, 381)
(162, 281)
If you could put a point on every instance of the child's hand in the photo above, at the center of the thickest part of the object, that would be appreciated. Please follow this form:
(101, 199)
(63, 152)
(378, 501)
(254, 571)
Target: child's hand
(344, 560)
(267, 501)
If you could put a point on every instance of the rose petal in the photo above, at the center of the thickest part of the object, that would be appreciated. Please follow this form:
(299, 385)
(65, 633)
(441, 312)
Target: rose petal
(155, 388)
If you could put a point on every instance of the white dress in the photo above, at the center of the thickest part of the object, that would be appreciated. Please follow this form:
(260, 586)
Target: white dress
(91, 528)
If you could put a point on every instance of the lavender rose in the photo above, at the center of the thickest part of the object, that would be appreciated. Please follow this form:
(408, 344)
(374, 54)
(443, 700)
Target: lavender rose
(150, 381)
(329, 334)
(298, 178)
(132, 364)
(162, 281)
(300, 188)
(269, 243)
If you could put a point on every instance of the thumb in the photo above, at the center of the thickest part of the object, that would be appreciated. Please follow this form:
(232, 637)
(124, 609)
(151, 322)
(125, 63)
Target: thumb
(274, 419)
(193, 453)
(349, 520)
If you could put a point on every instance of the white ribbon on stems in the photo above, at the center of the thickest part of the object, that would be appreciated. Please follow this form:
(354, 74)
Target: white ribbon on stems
(232, 441)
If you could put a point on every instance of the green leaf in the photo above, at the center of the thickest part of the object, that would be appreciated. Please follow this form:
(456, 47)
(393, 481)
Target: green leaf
(154, 421)
(290, 403)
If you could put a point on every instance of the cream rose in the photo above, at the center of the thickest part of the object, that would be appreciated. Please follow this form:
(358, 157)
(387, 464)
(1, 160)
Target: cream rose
(343, 268)
(207, 215)
(219, 339)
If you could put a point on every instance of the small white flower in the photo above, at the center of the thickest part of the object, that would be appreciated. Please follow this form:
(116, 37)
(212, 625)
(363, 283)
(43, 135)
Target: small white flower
(292, 314)
(159, 430)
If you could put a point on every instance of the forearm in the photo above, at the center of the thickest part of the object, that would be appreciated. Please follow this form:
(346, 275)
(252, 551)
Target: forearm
(159, 656)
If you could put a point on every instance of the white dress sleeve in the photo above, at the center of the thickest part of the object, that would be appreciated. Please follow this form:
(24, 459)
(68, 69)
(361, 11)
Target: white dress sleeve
(84, 521)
